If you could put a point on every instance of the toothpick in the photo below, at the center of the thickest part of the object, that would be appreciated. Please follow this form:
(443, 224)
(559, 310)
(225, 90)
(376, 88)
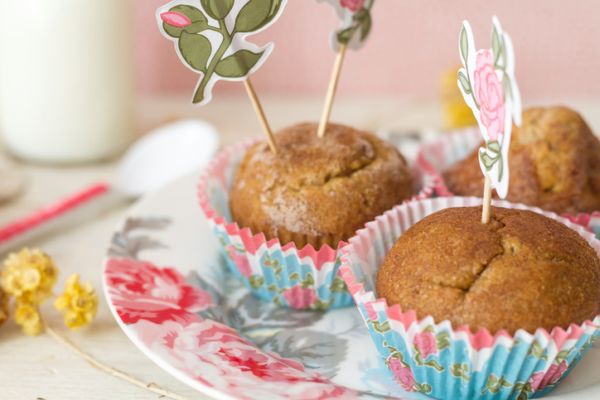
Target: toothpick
(333, 83)
(487, 200)
(261, 114)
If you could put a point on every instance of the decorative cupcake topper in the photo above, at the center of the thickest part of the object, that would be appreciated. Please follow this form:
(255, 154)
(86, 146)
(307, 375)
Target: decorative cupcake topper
(210, 39)
(355, 16)
(356, 26)
(487, 82)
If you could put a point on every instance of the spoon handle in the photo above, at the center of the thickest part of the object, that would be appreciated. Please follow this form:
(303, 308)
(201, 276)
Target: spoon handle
(43, 220)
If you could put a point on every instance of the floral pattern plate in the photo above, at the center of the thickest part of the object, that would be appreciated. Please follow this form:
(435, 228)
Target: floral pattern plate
(169, 291)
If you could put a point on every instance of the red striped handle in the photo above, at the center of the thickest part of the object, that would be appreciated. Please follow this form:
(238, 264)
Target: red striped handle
(48, 213)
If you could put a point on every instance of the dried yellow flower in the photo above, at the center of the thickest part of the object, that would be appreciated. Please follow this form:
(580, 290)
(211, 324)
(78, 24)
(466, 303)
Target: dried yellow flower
(29, 275)
(28, 317)
(78, 303)
(3, 306)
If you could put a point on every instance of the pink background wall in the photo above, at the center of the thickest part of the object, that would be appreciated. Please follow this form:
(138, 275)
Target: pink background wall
(557, 46)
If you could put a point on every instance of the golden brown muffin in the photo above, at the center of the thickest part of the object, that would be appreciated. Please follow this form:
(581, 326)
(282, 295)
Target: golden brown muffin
(554, 164)
(520, 271)
(318, 191)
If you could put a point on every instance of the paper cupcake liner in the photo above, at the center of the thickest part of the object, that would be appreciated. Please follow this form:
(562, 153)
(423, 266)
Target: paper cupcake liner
(454, 363)
(452, 147)
(300, 278)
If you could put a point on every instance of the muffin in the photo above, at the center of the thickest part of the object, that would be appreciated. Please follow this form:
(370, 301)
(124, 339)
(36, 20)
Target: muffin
(554, 164)
(520, 271)
(318, 191)
(282, 219)
(461, 310)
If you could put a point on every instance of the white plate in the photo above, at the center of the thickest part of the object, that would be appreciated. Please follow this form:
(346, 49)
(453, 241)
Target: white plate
(171, 295)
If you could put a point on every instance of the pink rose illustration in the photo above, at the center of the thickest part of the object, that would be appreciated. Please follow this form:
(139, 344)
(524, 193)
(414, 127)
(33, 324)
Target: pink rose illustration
(218, 356)
(402, 374)
(425, 343)
(299, 297)
(371, 313)
(536, 380)
(175, 19)
(541, 380)
(241, 261)
(352, 5)
(142, 291)
(580, 219)
(489, 94)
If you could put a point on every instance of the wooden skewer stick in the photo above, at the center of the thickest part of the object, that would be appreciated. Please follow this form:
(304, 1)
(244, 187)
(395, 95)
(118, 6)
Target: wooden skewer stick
(487, 200)
(261, 114)
(333, 83)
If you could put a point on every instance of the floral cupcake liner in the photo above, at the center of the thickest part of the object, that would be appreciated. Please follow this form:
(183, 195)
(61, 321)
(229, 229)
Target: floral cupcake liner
(451, 147)
(454, 363)
(299, 278)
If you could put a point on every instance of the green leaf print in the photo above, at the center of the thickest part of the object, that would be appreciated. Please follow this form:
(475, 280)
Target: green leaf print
(494, 384)
(464, 83)
(218, 9)
(460, 371)
(256, 281)
(195, 50)
(496, 46)
(536, 350)
(337, 285)
(562, 356)
(238, 64)
(434, 364)
(272, 288)
(381, 327)
(256, 14)
(309, 281)
(424, 388)
(443, 340)
(464, 44)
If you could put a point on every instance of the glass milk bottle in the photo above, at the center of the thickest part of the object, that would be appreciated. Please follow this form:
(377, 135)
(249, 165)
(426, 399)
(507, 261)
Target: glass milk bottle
(65, 78)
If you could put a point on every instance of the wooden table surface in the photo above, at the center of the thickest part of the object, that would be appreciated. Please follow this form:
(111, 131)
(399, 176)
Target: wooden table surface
(38, 367)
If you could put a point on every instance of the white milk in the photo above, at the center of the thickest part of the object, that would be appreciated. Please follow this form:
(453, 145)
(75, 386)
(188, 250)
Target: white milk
(66, 78)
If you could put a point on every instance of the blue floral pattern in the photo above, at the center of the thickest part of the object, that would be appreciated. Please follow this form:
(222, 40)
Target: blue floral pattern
(520, 370)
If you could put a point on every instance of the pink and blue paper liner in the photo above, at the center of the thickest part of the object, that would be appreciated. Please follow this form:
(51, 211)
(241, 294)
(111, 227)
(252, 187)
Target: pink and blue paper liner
(299, 278)
(444, 362)
(451, 147)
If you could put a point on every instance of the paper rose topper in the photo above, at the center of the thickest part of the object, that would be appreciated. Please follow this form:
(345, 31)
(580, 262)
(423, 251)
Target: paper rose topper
(487, 82)
(355, 16)
(356, 26)
(210, 37)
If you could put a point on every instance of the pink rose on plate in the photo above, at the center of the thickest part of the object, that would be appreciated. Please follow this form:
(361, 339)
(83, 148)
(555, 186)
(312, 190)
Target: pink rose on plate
(142, 291)
(402, 374)
(541, 380)
(352, 5)
(241, 262)
(299, 297)
(489, 94)
(425, 343)
(217, 356)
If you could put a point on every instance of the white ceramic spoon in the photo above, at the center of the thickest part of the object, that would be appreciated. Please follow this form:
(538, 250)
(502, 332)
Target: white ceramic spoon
(156, 159)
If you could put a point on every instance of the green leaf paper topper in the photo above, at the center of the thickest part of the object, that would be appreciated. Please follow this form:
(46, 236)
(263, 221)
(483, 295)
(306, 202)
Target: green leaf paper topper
(488, 85)
(356, 22)
(210, 37)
